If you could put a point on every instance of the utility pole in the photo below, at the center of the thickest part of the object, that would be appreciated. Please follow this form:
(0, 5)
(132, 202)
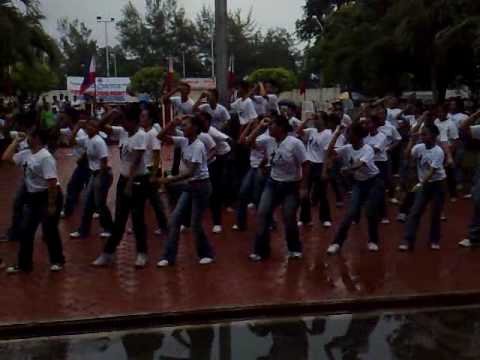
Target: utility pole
(221, 53)
(107, 56)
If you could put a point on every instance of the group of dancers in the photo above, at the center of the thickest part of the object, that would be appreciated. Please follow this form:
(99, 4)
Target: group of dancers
(257, 155)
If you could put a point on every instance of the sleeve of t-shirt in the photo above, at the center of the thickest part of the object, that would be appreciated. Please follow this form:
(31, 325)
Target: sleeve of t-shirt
(250, 113)
(382, 145)
(396, 135)
(416, 151)
(21, 157)
(49, 168)
(475, 130)
(208, 142)
(176, 101)
(198, 153)
(203, 107)
(368, 155)
(179, 141)
(342, 151)
(117, 131)
(308, 133)
(66, 132)
(300, 152)
(217, 134)
(156, 143)
(140, 141)
(225, 114)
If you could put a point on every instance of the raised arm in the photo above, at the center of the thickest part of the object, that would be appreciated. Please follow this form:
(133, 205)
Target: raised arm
(12, 148)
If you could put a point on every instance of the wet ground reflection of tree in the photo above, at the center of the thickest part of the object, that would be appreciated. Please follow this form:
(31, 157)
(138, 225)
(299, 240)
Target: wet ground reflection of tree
(142, 346)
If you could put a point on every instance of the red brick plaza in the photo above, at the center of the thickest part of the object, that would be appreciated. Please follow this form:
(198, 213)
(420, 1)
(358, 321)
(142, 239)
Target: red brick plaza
(233, 282)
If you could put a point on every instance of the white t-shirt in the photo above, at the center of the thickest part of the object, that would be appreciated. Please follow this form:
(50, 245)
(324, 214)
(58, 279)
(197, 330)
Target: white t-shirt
(245, 110)
(341, 141)
(475, 130)
(346, 120)
(288, 159)
(221, 141)
(294, 123)
(96, 149)
(392, 116)
(260, 104)
(365, 154)
(379, 144)
(448, 130)
(80, 140)
(2, 131)
(220, 115)
(194, 153)
(153, 144)
(129, 145)
(38, 169)
(272, 104)
(391, 133)
(429, 158)
(265, 146)
(317, 143)
(182, 108)
(209, 143)
(458, 118)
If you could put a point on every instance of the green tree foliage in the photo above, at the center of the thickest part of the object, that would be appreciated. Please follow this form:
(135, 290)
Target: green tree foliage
(150, 80)
(284, 79)
(381, 46)
(34, 79)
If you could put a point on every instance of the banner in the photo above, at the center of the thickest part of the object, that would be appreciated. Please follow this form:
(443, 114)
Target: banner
(201, 84)
(108, 89)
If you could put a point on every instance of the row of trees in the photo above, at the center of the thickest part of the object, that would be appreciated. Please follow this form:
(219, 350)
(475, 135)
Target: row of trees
(380, 46)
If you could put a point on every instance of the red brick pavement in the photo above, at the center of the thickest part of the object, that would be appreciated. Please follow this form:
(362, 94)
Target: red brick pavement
(82, 292)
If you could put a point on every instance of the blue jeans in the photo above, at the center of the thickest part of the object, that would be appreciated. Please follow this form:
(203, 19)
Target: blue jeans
(368, 194)
(474, 228)
(13, 233)
(250, 191)
(197, 196)
(156, 202)
(274, 194)
(78, 182)
(433, 193)
(317, 192)
(96, 200)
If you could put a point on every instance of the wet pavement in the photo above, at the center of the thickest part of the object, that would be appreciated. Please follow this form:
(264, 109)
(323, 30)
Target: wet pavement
(447, 334)
(233, 282)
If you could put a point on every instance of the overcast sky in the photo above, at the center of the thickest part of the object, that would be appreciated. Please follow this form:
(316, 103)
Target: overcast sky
(267, 13)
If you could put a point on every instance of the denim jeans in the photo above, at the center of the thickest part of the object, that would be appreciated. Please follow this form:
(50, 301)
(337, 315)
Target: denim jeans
(96, 200)
(474, 228)
(156, 202)
(219, 181)
(459, 157)
(13, 233)
(434, 193)
(274, 194)
(452, 180)
(78, 182)
(36, 213)
(383, 166)
(317, 190)
(125, 204)
(250, 191)
(197, 196)
(368, 194)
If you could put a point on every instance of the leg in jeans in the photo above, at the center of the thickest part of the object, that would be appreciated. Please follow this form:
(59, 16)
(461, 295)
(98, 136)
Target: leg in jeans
(321, 186)
(34, 211)
(474, 228)
(438, 200)
(215, 170)
(419, 205)
(52, 234)
(358, 198)
(334, 174)
(201, 193)
(306, 203)
(260, 179)
(264, 215)
(13, 232)
(78, 181)
(244, 197)
(158, 207)
(459, 158)
(88, 209)
(102, 183)
(376, 198)
(123, 205)
(452, 182)
(177, 157)
(407, 203)
(291, 203)
(176, 219)
(383, 167)
(138, 214)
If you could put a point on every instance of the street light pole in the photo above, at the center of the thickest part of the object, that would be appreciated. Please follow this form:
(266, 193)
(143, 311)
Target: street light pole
(106, 22)
(114, 56)
(221, 47)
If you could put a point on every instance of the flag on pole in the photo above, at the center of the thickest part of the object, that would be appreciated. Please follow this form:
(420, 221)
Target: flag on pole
(231, 73)
(168, 86)
(89, 78)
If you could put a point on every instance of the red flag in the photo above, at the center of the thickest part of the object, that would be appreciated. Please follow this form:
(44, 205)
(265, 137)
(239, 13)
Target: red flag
(303, 87)
(89, 78)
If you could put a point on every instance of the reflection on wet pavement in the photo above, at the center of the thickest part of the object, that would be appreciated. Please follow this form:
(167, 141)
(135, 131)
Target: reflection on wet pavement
(439, 335)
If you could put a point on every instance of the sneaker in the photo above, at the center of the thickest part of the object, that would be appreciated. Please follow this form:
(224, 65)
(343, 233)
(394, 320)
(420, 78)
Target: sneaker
(385, 221)
(56, 267)
(295, 255)
(333, 249)
(467, 243)
(443, 217)
(63, 215)
(183, 228)
(205, 261)
(105, 234)
(435, 247)
(4, 238)
(96, 215)
(129, 231)
(217, 229)
(402, 218)
(327, 224)
(163, 263)
(251, 206)
(12, 270)
(467, 196)
(75, 235)
(235, 227)
(300, 224)
(339, 204)
(404, 247)
(158, 232)
(141, 261)
(230, 209)
(103, 260)
(255, 257)
(372, 247)
(394, 201)
(453, 200)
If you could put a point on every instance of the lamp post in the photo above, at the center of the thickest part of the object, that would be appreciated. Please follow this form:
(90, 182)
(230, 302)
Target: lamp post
(221, 31)
(212, 44)
(106, 22)
(114, 57)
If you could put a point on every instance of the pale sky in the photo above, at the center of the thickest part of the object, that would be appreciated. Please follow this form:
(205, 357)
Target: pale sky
(267, 13)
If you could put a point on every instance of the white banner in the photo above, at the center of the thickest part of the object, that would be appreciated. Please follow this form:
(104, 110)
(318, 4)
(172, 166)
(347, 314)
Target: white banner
(200, 83)
(113, 89)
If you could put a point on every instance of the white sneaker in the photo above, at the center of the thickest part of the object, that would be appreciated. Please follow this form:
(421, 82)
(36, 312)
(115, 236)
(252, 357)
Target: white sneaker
(394, 201)
(295, 255)
(96, 215)
(205, 261)
(404, 247)
(105, 234)
(327, 224)
(385, 221)
(467, 196)
(300, 224)
(435, 247)
(56, 267)
(402, 218)
(12, 270)
(372, 247)
(443, 217)
(230, 209)
(466, 243)
(129, 231)
(163, 263)
(251, 206)
(235, 227)
(141, 261)
(62, 214)
(104, 260)
(183, 228)
(255, 257)
(217, 229)
(158, 232)
(75, 235)
(333, 249)
(453, 200)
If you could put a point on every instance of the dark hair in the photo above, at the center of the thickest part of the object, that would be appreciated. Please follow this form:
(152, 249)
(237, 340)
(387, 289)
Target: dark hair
(358, 130)
(131, 112)
(215, 93)
(42, 134)
(196, 122)
(459, 104)
(282, 122)
(432, 129)
(205, 115)
(185, 84)
(245, 85)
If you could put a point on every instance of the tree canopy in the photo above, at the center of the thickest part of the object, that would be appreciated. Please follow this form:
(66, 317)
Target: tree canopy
(284, 79)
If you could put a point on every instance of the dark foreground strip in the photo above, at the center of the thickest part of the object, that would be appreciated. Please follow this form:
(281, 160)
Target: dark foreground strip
(222, 314)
